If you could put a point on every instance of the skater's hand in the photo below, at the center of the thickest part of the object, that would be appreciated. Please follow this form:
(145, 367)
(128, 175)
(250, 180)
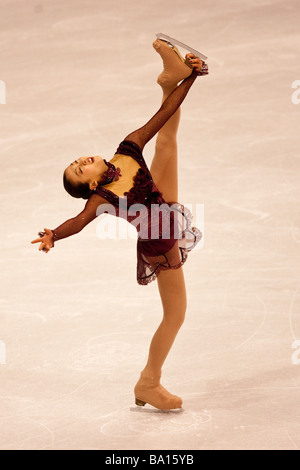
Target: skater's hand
(46, 240)
(196, 62)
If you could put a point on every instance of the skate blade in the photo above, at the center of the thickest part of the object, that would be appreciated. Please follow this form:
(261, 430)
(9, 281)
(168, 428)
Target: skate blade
(139, 409)
(181, 44)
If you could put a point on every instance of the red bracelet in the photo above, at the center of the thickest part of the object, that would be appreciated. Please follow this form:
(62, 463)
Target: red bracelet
(203, 70)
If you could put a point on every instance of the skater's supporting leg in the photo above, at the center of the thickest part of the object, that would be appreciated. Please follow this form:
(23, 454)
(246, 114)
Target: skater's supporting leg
(173, 295)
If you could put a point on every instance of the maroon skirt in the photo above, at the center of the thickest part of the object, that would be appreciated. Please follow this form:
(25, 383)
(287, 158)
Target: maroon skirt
(170, 246)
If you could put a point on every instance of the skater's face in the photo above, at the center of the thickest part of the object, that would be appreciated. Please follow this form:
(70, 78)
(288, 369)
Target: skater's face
(86, 170)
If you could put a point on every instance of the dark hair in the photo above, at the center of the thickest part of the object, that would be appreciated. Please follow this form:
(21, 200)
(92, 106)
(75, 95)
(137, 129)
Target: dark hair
(80, 190)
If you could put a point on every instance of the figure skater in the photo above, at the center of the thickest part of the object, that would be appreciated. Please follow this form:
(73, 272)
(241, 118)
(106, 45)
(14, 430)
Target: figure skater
(125, 182)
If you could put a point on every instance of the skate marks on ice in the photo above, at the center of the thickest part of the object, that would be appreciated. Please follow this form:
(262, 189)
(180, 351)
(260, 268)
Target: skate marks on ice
(259, 215)
(104, 353)
(22, 432)
(152, 422)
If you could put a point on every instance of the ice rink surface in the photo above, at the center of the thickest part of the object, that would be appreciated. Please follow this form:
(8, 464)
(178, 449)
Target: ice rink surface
(75, 327)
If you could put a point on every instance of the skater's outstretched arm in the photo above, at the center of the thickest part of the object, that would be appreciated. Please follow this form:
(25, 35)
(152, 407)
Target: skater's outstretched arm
(93, 208)
(169, 107)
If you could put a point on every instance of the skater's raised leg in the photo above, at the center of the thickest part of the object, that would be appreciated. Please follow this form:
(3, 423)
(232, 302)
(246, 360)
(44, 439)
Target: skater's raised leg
(164, 167)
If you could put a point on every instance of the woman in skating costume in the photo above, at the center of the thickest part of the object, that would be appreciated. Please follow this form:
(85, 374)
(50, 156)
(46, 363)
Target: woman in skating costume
(148, 200)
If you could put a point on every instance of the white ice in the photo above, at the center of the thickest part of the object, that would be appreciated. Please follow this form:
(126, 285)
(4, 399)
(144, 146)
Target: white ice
(75, 327)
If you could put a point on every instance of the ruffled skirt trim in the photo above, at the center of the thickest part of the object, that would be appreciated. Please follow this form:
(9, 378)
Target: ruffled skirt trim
(154, 256)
